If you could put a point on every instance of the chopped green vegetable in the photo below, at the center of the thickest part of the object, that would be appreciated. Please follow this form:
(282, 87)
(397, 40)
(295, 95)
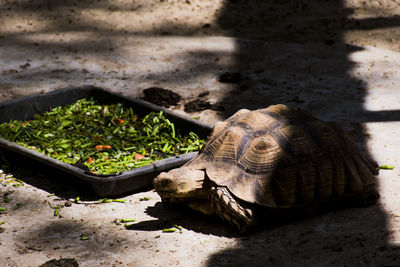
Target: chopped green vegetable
(105, 200)
(119, 200)
(127, 220)
(19, 205)
(386, 167)
(77, 199)
(177, 226)
(3, 208)
(169, 230)
(102, 139)
(9, 192)
(144, 199)
(84, 237)
(108, 200)
(50, 195)
(6, 199)
(56, 211)
(10, 179)
(18, 182)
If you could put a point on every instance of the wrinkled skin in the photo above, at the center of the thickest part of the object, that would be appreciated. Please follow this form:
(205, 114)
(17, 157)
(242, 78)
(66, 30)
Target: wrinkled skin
(184, 185)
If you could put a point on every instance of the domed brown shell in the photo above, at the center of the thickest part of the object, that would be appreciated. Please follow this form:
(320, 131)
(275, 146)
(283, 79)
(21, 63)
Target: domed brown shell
(279, 157)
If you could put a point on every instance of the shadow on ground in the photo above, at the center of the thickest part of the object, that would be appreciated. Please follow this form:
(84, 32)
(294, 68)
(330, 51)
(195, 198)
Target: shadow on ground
(41, 176)
(73, 238)
(313, 71)
(184, 217)
(299, 58)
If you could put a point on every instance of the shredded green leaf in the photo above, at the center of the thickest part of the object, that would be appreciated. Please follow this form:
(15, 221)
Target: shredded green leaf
(103, 139)
(386, 167)
(169, 230)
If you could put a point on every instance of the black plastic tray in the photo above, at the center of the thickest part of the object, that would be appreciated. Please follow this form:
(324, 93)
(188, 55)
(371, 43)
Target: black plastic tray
(128, 181)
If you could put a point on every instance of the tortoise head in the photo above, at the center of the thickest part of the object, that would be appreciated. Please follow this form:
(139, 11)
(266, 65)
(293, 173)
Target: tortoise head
(184, 185)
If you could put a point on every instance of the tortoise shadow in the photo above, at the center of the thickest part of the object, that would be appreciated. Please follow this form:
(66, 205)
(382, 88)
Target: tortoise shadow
(339, 238)
(170, 217)
(167, 216)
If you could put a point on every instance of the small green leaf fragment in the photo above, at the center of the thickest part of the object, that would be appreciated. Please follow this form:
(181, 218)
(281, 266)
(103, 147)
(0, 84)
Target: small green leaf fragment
(56, 211)
(169, 230)
(128, 220)
(19, 181)
(105, 200)
(144, 199)
(50, 195)
(9, 192)
(19, 205)
(77, 199)
(119, 200)
(84, 237)
(177, 227)
(3, 209)
(386, 167)
(6, 199)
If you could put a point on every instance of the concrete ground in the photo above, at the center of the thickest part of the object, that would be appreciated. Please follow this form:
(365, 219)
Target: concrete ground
(338, 59)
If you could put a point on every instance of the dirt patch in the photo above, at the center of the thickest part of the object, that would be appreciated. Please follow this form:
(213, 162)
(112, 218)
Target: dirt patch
(166, 98)
(160, 96)
(60, 263)
(200, 105)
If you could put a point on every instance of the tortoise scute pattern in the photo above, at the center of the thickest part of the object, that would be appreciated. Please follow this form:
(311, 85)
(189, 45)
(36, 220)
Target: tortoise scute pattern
(271, 162)
(277, 157)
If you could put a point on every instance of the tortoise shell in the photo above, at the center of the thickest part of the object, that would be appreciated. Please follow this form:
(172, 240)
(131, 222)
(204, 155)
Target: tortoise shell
(278, 157)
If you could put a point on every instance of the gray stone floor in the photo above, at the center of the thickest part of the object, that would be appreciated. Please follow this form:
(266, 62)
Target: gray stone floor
(124, 47)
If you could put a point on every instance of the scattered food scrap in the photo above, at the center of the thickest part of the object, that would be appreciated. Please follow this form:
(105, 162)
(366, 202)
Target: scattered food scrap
(386, 167)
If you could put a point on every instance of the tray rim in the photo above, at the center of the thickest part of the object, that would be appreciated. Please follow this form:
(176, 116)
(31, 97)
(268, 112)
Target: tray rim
(155, 166)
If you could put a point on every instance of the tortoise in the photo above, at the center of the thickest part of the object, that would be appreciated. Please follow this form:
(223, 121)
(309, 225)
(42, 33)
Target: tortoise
(274, 159)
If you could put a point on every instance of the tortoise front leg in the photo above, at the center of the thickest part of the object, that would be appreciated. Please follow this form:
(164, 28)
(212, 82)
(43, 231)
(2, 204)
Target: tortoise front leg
(232, 210)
